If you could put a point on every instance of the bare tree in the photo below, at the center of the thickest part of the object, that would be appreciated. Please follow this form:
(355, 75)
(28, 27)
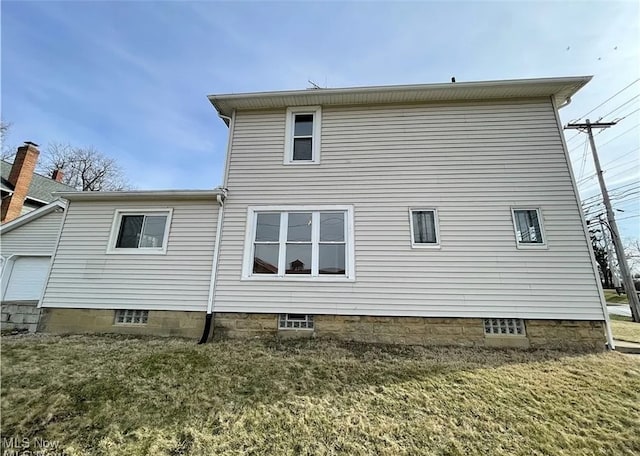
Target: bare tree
(632, 252)
(6, 152)
(84, 168)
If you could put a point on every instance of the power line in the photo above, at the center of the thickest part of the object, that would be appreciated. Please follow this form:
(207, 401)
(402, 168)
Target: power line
(627, 218)
(605, 101)
(588, 177)
(622, 105)
(621, 134)
(632, 112)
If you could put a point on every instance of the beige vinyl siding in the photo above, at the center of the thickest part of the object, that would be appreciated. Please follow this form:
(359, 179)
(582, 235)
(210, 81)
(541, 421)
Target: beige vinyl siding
(37, 237)
(471, 161)
(83, 275)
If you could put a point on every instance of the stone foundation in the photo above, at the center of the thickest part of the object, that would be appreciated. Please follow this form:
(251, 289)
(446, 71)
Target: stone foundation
(20, 316)
(463, 332)
(96, 321)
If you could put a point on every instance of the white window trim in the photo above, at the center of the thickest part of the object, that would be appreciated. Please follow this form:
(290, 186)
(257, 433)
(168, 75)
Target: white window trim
(525, 246)
(350, 271)
(414, 245)
(316, 111)
(115, 229)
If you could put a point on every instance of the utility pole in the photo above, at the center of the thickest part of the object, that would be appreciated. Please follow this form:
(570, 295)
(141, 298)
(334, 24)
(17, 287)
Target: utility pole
(632, 296)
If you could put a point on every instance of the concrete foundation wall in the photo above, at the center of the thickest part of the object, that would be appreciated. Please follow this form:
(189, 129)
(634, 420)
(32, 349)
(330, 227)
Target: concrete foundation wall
(20, 315)
(465, 332)
(95, 321)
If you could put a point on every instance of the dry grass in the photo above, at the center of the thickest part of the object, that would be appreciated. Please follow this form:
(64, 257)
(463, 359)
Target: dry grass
(624, 328)
(133, 396)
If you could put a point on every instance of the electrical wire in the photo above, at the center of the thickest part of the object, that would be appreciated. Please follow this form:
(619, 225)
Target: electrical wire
(608, 99)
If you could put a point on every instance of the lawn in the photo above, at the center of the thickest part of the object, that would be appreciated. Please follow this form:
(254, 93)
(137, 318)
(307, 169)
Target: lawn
(612, 297)
(624, 328)
(139, 396)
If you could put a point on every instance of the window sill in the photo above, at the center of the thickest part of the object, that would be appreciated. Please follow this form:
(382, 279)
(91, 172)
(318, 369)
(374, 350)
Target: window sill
(136, 252)
(321, 279)
(532, 246)
(425, 246)
(301, 163)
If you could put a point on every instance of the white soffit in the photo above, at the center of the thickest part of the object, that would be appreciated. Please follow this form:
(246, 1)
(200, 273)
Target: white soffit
(559, 88)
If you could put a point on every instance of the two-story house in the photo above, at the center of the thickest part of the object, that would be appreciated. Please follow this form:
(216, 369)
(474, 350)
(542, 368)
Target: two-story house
(426, 214)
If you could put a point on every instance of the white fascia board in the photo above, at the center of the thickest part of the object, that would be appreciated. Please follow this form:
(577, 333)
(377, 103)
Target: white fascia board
(133, 195)
(33, 215)
(561, 88)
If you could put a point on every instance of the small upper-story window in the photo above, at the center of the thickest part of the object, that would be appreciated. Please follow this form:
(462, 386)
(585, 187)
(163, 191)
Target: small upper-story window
(302, 142)
(424, 228)
(140, 231)
(528, 226)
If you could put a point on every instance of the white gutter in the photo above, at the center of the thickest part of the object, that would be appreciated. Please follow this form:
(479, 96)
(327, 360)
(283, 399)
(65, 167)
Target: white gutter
(167, 194)
(596, 276)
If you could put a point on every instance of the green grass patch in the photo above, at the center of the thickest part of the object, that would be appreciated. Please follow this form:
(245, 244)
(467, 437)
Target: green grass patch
(138, 396)
(613, 298)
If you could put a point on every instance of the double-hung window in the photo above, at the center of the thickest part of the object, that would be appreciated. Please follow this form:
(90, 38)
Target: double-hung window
(528, 227)
(303, 129)
(424, 228)
(300, 243)
(144, 231)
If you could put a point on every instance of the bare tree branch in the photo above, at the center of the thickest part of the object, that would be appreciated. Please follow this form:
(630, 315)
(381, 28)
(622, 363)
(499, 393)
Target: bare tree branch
(84, 168)
(6, 152)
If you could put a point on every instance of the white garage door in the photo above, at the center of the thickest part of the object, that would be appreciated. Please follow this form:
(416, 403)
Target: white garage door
(27, 279)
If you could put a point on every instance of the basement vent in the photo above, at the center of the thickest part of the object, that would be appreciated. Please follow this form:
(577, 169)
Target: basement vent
(295, 321)
(504, 326)
(132, 317)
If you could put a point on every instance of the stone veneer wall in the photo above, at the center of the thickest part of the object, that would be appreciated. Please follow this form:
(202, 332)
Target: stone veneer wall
(95, 321)
(465, 332)
(20, 315)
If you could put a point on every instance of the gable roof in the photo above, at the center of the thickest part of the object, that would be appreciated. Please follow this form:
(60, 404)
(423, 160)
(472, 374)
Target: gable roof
(33, 215)
(41, 188)
(559, 88)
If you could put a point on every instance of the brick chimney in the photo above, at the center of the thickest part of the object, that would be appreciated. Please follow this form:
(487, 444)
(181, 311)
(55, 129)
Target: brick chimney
(57, 175)
(20, 178)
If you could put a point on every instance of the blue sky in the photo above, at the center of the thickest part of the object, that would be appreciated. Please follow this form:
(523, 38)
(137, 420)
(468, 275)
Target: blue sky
(131, 78)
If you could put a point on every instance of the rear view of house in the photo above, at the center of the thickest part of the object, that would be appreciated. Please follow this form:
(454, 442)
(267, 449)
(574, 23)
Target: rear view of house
(427, 214)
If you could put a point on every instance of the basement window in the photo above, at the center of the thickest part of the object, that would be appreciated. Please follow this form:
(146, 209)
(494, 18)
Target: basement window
(295, 321)
(132, 317)
(504, 327)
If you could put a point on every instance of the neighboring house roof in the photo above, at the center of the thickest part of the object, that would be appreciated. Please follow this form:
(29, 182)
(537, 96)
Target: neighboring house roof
(559, 88)
(143, 194)
(41, 188)
(30, 216)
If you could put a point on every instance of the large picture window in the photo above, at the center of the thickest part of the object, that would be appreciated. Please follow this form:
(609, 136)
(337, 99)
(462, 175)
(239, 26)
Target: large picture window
(300, 243)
